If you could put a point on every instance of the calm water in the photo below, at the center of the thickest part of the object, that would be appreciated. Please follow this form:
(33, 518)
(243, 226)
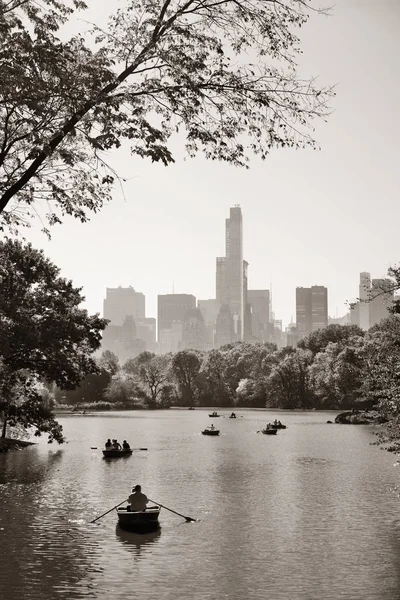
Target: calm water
(306, 514)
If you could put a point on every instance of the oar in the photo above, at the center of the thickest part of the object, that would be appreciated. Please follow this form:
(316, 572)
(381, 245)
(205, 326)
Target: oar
(188, 519)
(108, 511)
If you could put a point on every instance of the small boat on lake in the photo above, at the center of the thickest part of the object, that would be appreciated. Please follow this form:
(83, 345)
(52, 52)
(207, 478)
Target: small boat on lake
(278, 425)
(139, 522)
(210, 431)
(117, 453)
(269, 431)
(214, 414)
(232, 416)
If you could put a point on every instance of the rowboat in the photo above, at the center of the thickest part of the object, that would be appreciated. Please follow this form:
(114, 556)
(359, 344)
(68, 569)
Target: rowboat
(139, 522)
(279, 426)
(117, 453)
(208, 431)
(214, 414)
(269, 431)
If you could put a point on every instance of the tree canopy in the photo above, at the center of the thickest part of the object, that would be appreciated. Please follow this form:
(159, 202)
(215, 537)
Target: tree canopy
(222, 73)
(44, 335)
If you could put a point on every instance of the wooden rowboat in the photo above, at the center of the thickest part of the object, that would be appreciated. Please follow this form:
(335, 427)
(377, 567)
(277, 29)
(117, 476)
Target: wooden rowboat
(139, 522)
(214, 414)
(269, 431)
(208, 431)
(117, 453)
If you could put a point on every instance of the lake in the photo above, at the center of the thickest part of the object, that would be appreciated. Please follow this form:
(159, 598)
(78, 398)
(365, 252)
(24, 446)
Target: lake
(306, 514)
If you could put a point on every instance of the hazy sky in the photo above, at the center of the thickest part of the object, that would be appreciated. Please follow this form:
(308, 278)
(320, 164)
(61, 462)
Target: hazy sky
(309, 217)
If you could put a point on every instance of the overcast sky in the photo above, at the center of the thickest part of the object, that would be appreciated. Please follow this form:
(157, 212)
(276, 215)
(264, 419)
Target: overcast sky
(309, 217)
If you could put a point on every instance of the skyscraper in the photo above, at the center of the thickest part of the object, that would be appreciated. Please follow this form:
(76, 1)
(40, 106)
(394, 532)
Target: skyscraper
(172, 309)
(124, 307)
(319, 307)
(259, 300)
(209, 310)
(303, 311)
(311, 309)
(121, 302)
(231, 274)
(194, 331)
(364, 290)
(382, 296)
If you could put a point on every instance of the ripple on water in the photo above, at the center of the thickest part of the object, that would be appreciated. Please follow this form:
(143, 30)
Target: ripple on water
(306, 514)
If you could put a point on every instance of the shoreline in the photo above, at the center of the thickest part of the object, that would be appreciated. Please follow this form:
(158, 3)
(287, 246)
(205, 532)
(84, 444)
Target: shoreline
(14, 444)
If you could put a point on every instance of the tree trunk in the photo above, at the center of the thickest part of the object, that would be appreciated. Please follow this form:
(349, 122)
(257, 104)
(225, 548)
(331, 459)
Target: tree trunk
(4, 429)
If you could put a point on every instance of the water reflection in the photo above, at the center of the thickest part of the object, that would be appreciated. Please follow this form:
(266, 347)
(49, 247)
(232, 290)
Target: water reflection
(306, 515)
(28, 465)
(137, 543)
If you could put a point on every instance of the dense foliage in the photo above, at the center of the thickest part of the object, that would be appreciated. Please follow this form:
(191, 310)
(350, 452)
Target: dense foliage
(44, 337)
(339, 367)
(222, 73)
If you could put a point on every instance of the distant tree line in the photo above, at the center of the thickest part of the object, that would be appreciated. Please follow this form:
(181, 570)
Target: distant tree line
(339, 367)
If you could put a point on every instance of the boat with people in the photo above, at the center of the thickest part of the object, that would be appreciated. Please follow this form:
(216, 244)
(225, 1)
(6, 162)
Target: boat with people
(278, 425)
(117, 453)
(214, 414)
(211, 430)
(271, 431)
(113, 449)
(232, 416)
(141, 521)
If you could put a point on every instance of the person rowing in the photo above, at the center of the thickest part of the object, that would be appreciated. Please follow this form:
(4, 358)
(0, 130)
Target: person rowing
(137, 500)
(125, 445)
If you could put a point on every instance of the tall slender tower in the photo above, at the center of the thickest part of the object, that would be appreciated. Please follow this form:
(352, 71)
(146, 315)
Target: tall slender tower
(230, 271)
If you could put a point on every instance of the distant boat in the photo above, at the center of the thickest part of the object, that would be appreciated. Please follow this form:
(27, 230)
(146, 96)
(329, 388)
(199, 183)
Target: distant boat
(269, 431)
(278, 426)
(214, 414)
(210, 431)
(117, 453)
(232, 416)
(191, 408)
(139, 522)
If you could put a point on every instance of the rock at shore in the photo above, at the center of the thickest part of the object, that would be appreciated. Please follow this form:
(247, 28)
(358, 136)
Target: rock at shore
(360, 417)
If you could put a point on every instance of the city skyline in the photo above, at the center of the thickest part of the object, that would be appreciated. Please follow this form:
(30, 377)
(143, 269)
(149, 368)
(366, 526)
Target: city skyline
(311, 217)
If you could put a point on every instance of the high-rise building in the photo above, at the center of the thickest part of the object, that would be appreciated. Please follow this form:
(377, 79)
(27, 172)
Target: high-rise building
(123, 340)
(247, 315)
(382, 296)
(121, 302)
(172, 309)
(364, 291)
(319, 307)
(311, 309)
(225, 328)
(259, 300)
(209, 310)
(193, 331)
(231, 273)
(303, 311)
(125, 308)
(147, 331)
(375, 299)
